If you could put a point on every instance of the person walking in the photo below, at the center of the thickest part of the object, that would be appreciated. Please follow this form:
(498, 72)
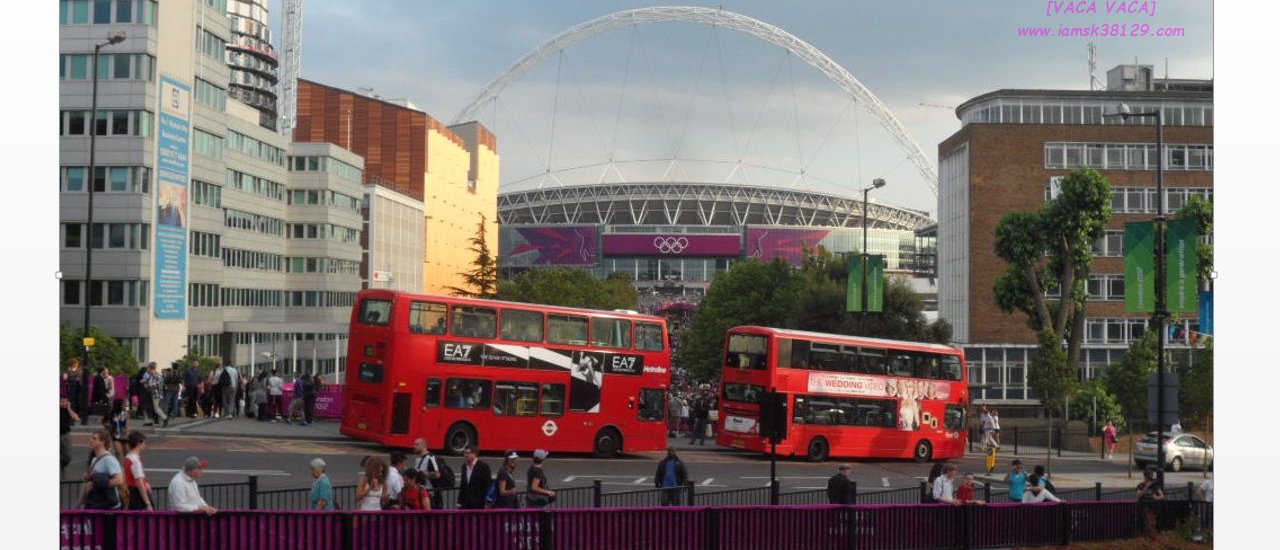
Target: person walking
(258, 396)
(66, 418)
(242, 390)
(321, 497)
(229, 380)
(309, 389)
(416, 495)
(74, 381)
(295, 401)
(172, 393)
(153, 397)
(191, 379)
(1017, 480)
(438, 474)
(117, 424)
(104, 391)
(371, 492)
(988, 429)
(839, 487)
(184, 492)
(475, 481)
(670, 477)
(215, 394)
(1149, 492)
(540, 493)
(135, 476)
(505, 496)
(1109, 438)
(700, 414)
(103, 477)
(944, 491)
(395, 480)
(275, 394)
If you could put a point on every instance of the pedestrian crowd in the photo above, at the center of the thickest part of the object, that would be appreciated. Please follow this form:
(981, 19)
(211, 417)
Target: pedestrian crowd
(695, 411)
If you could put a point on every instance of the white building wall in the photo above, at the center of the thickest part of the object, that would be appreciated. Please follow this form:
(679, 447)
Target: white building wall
(953, 241)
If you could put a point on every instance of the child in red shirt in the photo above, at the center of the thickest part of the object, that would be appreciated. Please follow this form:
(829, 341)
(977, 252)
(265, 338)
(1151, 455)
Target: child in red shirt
(965, 493)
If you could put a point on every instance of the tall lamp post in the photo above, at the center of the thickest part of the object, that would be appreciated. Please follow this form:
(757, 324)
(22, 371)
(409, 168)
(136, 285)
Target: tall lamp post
(866, 207)
(1161, 314)
(114, 38)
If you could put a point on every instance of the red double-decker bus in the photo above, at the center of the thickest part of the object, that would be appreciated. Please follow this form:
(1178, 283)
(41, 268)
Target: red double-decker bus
(846, 396)
(503, 375)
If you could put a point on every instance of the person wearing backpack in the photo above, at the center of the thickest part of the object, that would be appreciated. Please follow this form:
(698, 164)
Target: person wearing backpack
(438, 472)
(228, 380)
(104, 476)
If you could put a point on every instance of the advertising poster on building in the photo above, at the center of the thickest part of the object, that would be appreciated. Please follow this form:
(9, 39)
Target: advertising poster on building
(875, 283)
(173, 169)
(1181, 290)
(1139, 267)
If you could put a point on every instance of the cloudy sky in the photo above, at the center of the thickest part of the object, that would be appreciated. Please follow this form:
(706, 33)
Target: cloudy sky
(730, 106)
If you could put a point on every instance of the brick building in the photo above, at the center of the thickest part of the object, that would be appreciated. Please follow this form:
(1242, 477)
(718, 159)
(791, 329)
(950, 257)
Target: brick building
(1010, 148)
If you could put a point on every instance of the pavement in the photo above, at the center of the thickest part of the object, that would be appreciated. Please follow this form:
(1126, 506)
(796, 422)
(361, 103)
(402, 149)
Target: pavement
(321, 430)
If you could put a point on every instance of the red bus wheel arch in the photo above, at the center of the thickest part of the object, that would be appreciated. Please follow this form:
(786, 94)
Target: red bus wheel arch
(608, 442)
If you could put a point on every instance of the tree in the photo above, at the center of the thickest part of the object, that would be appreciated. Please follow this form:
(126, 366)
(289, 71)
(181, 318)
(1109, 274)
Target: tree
(106, 351)
(482, 280)
(1127, 380)
(569, 287)
(1047, 248)
(1094, 394)
(1196, 393)
(204, 363)
(749, 293)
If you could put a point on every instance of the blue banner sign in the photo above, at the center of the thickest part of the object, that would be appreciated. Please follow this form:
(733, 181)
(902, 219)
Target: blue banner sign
(173, 173)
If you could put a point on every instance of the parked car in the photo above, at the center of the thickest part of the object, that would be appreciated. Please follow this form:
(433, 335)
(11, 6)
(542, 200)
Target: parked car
(1180, 451)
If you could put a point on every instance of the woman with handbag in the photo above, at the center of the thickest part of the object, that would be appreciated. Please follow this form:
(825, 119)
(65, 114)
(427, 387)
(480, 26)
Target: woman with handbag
(540, 494)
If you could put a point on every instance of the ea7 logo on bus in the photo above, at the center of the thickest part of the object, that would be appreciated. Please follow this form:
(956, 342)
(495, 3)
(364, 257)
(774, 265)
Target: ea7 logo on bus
(549, 428)
(623, 363)
(457, 353)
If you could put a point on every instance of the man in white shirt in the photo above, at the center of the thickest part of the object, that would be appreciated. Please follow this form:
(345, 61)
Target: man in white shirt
(944, 487)
(395, 481)
(229, 393)
(275, 394)
(988, 428)
(184, 494)
(1176, 428)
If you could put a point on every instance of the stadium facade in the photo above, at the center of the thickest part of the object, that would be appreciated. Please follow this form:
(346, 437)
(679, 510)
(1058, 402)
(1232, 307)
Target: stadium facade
(673, 238)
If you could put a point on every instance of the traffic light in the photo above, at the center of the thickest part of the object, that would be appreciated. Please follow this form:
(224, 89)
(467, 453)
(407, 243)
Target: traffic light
(773, 416)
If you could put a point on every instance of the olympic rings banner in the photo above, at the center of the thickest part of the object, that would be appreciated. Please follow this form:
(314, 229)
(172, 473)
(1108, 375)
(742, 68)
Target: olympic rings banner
(650, 244)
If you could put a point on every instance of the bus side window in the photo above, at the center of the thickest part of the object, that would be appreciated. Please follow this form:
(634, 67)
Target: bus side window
(872, 361)
(849, 359)
(552, 400)
(516, 399)
(652, 402)
(475, 322)
(565, 329)
(611, 333)
(521, 326)
(432, 398)
(427, 317)
(800, 354)
(648, 337)
(468, 393)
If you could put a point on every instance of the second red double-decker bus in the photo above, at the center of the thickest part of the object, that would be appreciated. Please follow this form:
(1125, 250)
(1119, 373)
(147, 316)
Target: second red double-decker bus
(503, 375)
(847, 396)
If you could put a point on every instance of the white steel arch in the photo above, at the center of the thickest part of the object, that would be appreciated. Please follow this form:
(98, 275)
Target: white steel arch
(727, 19)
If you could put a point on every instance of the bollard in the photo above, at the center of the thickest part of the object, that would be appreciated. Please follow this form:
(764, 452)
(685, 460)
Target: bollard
(1097, 490)
(597, 488)
(1015, 441)
(253, 492)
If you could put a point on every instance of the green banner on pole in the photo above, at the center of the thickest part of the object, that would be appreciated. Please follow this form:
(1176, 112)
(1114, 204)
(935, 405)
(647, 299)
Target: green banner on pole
(1181, 240)
(875, 283)
(853, 293)
(1139, 267)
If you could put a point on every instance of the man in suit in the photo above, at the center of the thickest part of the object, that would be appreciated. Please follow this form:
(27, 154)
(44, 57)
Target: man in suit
(474, 482)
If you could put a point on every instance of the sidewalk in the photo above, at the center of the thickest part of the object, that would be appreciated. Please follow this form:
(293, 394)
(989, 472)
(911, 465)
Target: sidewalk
(322, 430)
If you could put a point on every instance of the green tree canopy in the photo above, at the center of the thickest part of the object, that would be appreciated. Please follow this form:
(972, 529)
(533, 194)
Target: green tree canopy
(1127, 380)
(1094, 393)
(569, 287)
(482, 280)
(106, 351)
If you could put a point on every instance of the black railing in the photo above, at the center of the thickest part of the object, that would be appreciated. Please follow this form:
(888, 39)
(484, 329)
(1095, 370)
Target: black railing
(733, 497)
(907, 495)
(796, 498)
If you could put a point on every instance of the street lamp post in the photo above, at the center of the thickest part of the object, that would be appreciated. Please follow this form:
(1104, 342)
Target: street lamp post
(875, 184)
(114, 38)
(1161, 314)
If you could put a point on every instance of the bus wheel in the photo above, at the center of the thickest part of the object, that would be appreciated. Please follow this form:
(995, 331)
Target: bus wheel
(608, 442)
(923, 452)
(460, 435)
(818, 449)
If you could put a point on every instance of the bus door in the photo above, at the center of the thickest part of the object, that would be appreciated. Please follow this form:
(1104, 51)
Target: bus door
(400, 411)
(429, 421)
(515, 408)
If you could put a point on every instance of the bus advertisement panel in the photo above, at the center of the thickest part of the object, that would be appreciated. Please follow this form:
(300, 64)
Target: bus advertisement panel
(846, 396)
(503, 375)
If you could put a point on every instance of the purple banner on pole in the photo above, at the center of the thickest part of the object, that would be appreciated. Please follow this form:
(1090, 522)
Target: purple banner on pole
(628, 244)
(526, 246)
(788, 244)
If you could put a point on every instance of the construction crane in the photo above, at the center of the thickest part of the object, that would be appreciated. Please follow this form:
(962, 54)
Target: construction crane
(291, 43)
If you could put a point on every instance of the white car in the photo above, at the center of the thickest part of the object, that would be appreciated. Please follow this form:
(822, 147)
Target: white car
(1180, 451)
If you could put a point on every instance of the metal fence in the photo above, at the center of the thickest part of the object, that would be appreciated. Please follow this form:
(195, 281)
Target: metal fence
(820, 527)
(246, 496)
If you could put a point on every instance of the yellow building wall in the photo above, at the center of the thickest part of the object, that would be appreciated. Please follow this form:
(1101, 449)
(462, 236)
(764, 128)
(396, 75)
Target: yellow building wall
(453, 209)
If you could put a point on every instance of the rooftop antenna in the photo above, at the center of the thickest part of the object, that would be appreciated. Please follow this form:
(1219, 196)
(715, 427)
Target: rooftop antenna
(1094, 83)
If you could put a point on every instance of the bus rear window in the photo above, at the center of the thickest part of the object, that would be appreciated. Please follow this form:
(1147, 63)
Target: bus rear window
(746, 351)
(375, 312)
(648, 337)
(371, 373)
(742, 393)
